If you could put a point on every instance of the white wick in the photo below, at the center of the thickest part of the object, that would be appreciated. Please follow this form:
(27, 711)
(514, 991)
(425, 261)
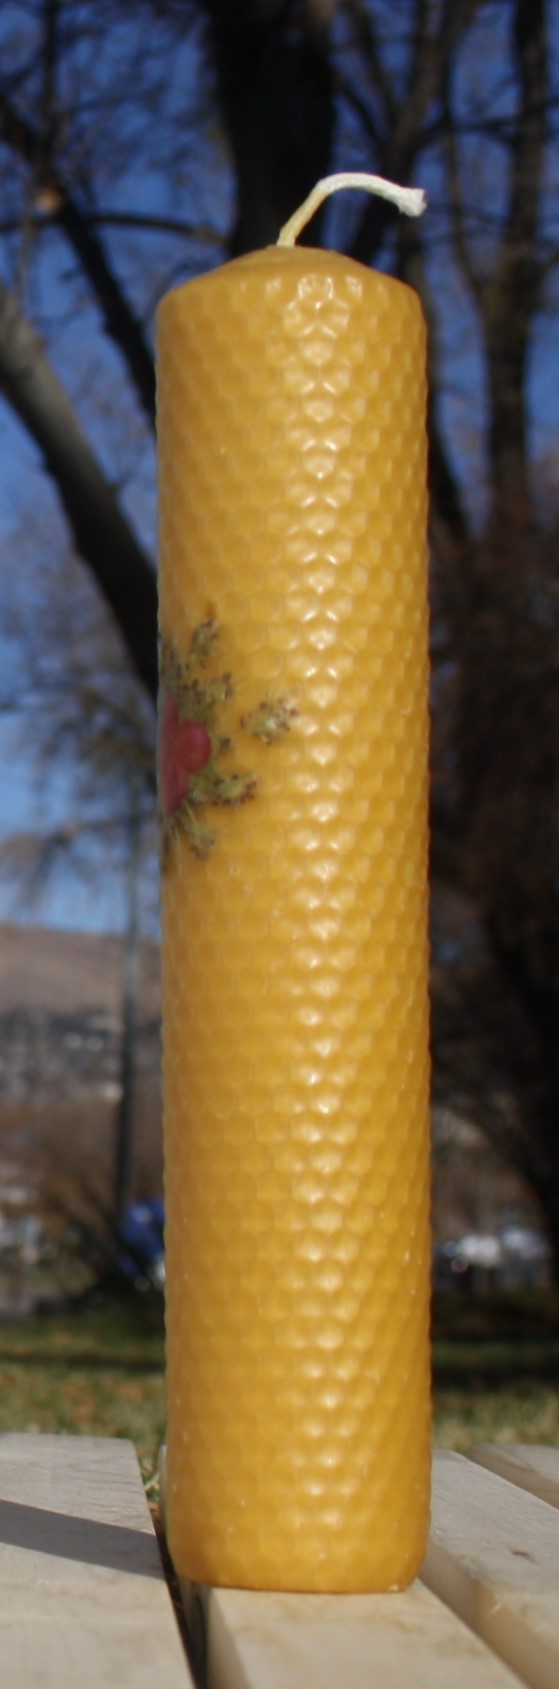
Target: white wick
(412, 201)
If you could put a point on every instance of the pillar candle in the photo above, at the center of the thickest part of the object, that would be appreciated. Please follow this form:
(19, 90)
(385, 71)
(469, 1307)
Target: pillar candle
(293, 798)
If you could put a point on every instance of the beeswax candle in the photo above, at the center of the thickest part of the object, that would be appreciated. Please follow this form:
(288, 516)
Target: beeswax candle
(293, 792)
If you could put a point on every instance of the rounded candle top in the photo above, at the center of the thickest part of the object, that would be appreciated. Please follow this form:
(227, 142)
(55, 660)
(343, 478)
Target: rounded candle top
(274, 261)
(275, 264)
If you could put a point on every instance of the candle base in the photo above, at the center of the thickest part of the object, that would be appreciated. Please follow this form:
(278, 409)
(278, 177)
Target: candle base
(294, 1576)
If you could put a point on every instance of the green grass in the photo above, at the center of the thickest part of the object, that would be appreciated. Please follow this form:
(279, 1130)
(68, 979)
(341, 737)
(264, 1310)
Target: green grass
(527, 1412)
(496, 1368)
(97, 1372)
(101, 1371)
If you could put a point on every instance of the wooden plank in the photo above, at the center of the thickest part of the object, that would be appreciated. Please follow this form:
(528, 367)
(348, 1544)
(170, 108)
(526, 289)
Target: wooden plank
(265, 1641)
(529, 1465)
(83, 1599)
(493, 1557)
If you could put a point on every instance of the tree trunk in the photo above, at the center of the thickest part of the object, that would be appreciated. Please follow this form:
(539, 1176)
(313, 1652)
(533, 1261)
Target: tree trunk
(276, 96)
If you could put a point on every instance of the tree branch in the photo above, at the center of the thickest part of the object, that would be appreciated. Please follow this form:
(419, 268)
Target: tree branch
(427, 72)
(456, 207)
(47, 212)
(120, 320)
(101, 533)
(511, 295)
(366, 39)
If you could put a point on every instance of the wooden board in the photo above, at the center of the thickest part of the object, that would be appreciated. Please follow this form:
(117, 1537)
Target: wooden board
(494, 1559)
(83, 1599)
(259, 1641)
(529, 1465)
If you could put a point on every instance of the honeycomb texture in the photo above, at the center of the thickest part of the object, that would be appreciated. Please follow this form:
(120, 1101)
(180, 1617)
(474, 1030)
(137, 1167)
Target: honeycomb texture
(293, 509)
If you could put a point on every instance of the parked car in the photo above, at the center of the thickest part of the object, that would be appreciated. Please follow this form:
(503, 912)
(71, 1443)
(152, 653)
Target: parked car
(517, 1255)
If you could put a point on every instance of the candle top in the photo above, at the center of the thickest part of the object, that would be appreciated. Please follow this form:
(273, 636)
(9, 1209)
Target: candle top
(277, 264)
(286, 258)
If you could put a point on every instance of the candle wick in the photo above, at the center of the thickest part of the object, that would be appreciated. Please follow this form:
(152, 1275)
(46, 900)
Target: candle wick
(412, 201)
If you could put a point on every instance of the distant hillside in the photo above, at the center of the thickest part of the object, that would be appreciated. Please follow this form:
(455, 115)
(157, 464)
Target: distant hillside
(67, 972)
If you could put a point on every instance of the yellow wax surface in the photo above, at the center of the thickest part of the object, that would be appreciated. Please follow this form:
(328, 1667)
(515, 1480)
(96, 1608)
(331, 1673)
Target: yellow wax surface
(292, 451)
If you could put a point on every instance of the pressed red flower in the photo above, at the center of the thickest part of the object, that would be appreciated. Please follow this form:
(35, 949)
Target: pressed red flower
(184, 748)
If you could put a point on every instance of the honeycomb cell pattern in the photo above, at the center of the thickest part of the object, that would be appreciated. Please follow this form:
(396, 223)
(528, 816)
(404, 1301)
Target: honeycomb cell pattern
(291, 416)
